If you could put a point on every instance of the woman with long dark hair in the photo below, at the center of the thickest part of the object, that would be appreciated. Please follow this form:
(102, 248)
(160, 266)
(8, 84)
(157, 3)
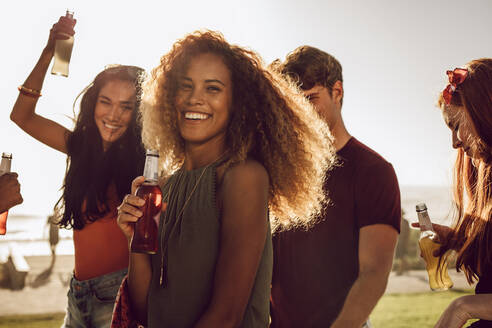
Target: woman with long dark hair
(466, 105)
(104, 154)
(237, 143)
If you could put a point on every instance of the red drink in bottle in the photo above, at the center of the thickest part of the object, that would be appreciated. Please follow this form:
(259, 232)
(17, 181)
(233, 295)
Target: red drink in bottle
(3, 222)
(146, 228)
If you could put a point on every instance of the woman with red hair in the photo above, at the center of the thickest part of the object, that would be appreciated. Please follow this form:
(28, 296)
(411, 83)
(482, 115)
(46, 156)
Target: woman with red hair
(466, 105)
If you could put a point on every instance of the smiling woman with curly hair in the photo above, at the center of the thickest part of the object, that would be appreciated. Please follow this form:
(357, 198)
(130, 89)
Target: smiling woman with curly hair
(271, 122)
(236, 142)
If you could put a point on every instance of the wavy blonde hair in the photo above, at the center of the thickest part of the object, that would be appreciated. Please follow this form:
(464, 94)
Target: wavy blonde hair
(271, 122)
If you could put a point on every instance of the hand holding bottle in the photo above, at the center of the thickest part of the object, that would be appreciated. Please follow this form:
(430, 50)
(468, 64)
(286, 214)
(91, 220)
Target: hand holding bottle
(61, 30)
(129, 211)
(443, 232)
(429, 244)
(9, 191)
(145, 233)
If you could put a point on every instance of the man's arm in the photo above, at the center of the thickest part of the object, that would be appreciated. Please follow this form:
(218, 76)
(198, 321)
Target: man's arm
(376, 250)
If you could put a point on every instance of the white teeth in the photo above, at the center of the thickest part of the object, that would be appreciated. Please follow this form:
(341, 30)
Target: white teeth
(195, 116)
(109, 126)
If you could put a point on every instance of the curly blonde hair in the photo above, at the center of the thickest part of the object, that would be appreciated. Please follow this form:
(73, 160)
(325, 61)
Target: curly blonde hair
(271, 123)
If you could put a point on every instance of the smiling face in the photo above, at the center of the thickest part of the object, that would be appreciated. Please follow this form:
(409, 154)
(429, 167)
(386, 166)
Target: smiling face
(114, 109)
(460, 126)
(204, 100)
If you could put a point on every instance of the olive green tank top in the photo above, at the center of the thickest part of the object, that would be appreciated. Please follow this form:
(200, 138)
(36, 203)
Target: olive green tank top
(183, 268)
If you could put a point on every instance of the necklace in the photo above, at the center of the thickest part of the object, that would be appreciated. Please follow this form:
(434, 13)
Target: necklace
(194, 187)
(191, 193)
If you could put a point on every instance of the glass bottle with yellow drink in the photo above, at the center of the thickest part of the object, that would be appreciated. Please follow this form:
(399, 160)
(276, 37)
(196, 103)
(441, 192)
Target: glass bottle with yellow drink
(429, 242)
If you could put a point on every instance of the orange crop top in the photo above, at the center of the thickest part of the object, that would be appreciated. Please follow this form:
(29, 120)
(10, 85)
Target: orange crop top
(100, 247)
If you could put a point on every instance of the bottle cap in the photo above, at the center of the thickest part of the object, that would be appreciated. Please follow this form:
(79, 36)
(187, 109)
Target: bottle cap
(7, 155)
(421, 207)
(152, 152)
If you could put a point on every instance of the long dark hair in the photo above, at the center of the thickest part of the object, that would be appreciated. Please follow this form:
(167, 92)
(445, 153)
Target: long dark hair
(90, 169)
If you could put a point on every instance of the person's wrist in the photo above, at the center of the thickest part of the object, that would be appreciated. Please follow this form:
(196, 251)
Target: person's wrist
(47, 52)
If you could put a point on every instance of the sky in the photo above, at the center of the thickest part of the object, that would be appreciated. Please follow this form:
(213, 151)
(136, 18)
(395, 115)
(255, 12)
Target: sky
(394, 56)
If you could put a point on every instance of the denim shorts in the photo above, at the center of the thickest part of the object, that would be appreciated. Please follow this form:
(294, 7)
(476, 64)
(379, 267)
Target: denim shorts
(91, 302)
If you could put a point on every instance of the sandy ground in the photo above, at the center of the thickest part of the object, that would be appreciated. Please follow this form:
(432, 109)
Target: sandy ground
(46, 292)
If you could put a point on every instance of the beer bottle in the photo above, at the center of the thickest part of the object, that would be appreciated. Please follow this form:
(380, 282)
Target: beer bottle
(145, 234)
(436, 269)
(4, 168)
(63, 52)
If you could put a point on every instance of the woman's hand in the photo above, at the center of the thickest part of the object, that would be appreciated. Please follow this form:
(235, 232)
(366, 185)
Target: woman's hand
(443, 233)
(60, 31)
(128, 211)
(455, 315)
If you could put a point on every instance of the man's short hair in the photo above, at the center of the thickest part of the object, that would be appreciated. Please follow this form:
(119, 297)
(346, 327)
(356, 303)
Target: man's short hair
(309, 66)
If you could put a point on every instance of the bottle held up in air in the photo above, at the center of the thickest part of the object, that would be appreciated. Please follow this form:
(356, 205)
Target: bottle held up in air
(436, 269)
(5, 165)
(146, 228)
(63, 52)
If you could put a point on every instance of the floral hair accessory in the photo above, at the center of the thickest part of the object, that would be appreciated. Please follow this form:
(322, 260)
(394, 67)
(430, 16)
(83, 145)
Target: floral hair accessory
(456, 77)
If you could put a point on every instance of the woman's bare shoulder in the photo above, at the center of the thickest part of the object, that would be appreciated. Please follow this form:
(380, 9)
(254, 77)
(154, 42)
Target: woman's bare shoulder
(246, 173)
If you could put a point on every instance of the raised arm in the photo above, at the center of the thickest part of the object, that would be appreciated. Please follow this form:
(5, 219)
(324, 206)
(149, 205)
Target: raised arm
(244, 196)
(23, 113)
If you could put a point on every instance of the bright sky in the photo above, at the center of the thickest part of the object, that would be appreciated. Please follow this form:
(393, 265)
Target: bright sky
(394, 56)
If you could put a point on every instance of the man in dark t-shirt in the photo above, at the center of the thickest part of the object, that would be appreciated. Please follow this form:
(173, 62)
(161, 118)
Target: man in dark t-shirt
(333, 274)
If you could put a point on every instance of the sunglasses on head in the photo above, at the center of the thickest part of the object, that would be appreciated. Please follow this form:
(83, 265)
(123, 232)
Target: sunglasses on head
(456, 77)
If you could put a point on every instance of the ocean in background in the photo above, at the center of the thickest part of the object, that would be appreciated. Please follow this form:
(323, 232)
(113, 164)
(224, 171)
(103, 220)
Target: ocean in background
(30, 233)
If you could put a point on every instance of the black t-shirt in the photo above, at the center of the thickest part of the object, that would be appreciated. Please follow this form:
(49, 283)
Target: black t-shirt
(484, 286)
(314, 270)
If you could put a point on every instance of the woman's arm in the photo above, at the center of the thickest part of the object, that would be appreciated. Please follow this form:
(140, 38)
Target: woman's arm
(139, 269)
(244, 224)
(23, 113)
(139, 276)
(464, 308)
